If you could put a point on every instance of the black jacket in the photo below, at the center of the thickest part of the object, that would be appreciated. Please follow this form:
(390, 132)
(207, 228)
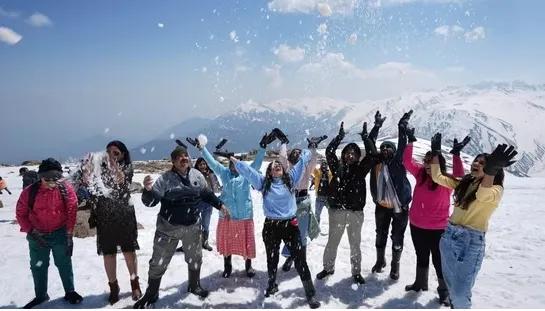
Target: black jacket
(347, 189)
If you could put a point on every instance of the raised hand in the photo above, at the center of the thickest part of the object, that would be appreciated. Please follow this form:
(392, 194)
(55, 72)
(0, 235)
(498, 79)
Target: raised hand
(436, 144)
(313, 142)
(280, 135)
(267, 139)
(148, 183)
(378, 119)
(403, 123)
(410, 134)
(342, 133)
(180, 143)
(501, 157)
(193, 141)
(364, 134)
(458, 146)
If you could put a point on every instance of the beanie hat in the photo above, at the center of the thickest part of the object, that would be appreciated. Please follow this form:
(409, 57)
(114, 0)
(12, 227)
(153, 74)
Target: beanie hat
(178, 151)
(388, 144)
(352, 146)
(50, 168)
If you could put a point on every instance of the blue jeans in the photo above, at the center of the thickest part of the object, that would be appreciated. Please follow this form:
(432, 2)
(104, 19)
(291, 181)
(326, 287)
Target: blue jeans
(462, 253)
(303, 219)
(206, 213)
(321, 201)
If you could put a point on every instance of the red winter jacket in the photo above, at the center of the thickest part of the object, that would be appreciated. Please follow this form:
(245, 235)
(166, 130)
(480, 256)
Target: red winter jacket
(50, 211)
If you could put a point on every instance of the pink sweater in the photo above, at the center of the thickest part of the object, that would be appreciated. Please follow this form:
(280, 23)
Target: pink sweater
(429, 208)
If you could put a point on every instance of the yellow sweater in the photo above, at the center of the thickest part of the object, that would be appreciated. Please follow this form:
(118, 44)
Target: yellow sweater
(478, 213)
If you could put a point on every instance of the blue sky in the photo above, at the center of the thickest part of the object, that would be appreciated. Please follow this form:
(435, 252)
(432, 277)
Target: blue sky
(134, 68)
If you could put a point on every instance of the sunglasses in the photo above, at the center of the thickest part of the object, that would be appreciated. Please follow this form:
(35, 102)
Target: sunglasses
(52, 179)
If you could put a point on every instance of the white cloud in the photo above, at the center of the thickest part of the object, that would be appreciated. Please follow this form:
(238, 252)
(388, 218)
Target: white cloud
(160, 25)
(39, 20)
(476, 34)
(323, 7)
(288, 54)
(378, 3)
(9, 36)
(273, 73)
(447, 31)
(6, 13)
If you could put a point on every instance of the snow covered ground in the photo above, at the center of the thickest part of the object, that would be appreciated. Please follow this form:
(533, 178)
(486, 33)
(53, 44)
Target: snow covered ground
(512, 275)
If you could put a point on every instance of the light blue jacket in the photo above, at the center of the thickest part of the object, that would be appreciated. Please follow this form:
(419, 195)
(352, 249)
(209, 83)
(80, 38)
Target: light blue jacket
(236, 189)
(279, 202)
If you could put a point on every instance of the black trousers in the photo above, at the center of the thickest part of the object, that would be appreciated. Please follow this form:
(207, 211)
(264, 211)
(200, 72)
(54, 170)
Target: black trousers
(383, 218)
(276, 231)
(426, 241)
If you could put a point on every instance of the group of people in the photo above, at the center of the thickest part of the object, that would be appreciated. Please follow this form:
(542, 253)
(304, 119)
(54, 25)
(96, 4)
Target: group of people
(46, 211)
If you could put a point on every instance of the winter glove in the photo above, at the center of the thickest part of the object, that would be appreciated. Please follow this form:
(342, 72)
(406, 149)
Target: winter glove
(180, 143)
(280, 135)
(313, 142)
(403, 123)
(436, 144)
(458, 146)
(38, 237)
(69, 245)
(378, 120)
(224, 154)
(342, 133)
(410, 135)
(221, 144)
(267, 139)
(501, 157)
(364, 134)
(194, 142)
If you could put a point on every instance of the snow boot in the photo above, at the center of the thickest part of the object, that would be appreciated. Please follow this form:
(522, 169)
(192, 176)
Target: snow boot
(114, 292)
(310, 292)
(324, 273)
(358, 279)
(36, 301)
(194, 286)
(135, 287)
(151, 295)
(396, 257)
(205, 244)
(73, 298)
(421, 280)
(287, 264)
(442, 290)
(381, 261)
(227, 267)
(272, 288)
(250, 272)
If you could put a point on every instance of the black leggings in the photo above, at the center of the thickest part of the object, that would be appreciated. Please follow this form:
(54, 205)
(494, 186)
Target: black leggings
(276, 231)
(383, 218)
(426, 241)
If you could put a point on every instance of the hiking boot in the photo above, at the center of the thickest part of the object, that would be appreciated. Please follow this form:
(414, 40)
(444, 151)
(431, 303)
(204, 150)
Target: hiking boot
(73, 298)
(324, 273)
(36, 301)
(358, 279)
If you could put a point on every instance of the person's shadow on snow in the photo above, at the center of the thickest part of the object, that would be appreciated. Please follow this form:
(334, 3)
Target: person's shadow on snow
(409, 302)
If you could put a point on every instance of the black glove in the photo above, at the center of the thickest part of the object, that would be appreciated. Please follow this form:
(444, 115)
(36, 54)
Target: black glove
(180, 143)
(341, 131)
(410, 135)
(280, 135)
(501, 157)
(221, 144)
(267, 139)
(193, 141)
(69, 245)
(403, 123)
(313, 142)
(224, 154)
(38, 237)
(364, 134)
(458, 146)
(436, 144)
(378, 120)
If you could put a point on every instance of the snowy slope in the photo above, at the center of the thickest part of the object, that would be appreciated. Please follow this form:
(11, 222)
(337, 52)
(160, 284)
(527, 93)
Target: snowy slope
(512, 275)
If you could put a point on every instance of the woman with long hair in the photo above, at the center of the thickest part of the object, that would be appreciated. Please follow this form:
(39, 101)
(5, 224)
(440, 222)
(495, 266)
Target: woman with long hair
(206, 209)
(429, 211)
(278, 190)
(476, 197)
(114, 215)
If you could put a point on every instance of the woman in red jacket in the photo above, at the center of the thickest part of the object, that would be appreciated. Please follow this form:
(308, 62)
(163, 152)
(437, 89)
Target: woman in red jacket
(46, 212)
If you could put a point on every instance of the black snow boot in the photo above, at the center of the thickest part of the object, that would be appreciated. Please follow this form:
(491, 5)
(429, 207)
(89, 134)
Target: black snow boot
(310, 292)
(194, 286)
(287, 264)
(358, 279)
(324, 273)
(272, 288)
(205, 244)
(151, 295)
(442, 290)
(250, 272)
(73, 298)
(36, 301)
(421, 280)
(396, 257)
(381, 261)
(114, 292)
(227, 267)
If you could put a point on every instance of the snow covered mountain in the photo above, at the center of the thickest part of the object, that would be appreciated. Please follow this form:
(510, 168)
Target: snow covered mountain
(490, 113)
